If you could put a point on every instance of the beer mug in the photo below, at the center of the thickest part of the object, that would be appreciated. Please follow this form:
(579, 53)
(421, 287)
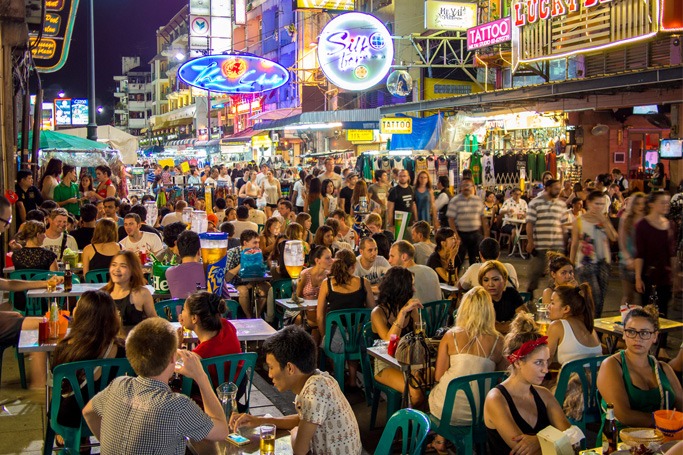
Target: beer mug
(214, 251)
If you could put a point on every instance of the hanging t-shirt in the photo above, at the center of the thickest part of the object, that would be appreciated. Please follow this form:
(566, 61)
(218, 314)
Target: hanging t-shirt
(454, 171)
(420, 165)
(464, 160)
(475, 167)
(532, 170)
(489, 174)
(471, 143)
(397, 163)
(540, 164)
(441, 167)
(409, 165)
(551, 163)
(521, 163)
(431, 169)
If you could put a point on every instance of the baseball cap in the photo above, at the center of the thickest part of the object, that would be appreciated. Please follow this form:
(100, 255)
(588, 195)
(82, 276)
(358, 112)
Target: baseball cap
(212, 217)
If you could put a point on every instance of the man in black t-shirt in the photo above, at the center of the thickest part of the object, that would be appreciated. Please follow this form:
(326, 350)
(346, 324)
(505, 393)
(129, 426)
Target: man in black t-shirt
(86, 228)
(401, 198)
(29, 196)
(346, 193)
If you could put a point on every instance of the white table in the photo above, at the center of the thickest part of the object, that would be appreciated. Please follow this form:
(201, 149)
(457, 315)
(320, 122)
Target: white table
(76, 290)
(516, 244)
(380, 353)
(447, 288)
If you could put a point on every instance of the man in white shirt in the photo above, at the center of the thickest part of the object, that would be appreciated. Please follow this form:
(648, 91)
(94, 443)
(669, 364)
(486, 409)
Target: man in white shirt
(242, 223)
(176, 216)
(513, 207)
(56, 230)
(369, 264)
(426, 280)
(424, 247)
(330, 174)
(213, 177)
(489, 250)
(138, 240)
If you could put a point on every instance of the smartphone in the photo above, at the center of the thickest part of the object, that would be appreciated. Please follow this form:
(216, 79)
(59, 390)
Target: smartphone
(238, 439)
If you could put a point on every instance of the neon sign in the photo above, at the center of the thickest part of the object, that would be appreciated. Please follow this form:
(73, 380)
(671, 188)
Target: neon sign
(532, 10)
(499, 31)
(355, 51)
(233, 73)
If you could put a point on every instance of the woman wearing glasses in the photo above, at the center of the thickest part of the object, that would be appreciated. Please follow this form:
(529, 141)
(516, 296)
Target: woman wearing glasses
(635, 382)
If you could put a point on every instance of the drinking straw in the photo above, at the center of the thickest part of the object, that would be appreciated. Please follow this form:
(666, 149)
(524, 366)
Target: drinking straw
(666, 395)
(420, 314)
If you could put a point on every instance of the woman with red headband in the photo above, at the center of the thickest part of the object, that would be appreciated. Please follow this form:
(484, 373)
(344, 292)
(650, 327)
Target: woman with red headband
(518, 408)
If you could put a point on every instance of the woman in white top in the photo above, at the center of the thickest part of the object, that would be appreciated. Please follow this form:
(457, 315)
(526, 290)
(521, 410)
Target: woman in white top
(328, 193)
(270, 188)
(590, 251)
(571, 335)
(472, 346)
(250, 189)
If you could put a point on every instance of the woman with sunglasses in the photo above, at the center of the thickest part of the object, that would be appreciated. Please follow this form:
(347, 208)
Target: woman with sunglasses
(634, 381)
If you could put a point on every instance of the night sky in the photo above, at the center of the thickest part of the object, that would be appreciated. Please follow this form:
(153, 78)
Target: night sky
(122, 28)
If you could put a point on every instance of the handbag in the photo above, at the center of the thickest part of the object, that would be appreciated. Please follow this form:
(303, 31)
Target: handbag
(415, 356)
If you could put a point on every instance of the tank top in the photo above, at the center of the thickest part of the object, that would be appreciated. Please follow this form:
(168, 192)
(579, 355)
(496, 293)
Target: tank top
(571, 349)
(102, 188)
(422, 202)
(462, 363)
(496, 443)
(345, 301)
(130, 315)
(593, 244)
(99, 260)
(270, 192)
(310, 292)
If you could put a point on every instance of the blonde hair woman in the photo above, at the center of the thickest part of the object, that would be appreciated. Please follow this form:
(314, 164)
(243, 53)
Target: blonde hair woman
(472, 346)
(103, 247)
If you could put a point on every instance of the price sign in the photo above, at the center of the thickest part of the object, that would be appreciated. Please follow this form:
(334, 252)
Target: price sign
(360, 135)
(396, 125)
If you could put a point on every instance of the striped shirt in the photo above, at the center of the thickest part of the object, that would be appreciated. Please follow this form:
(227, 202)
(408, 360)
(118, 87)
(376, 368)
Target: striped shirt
(466, 212)
(547, 217)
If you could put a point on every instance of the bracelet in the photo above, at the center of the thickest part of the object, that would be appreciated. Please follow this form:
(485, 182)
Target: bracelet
(396, 324)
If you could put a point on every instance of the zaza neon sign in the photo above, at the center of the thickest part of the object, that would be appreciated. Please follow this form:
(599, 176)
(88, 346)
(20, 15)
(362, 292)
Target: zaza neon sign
(531, 11)
(233, 73)
(355, 51)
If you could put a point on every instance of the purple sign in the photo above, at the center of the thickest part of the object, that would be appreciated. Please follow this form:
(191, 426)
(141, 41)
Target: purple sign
(488, 34)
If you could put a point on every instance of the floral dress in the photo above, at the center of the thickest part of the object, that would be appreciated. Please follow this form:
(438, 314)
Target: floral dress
(593, 260)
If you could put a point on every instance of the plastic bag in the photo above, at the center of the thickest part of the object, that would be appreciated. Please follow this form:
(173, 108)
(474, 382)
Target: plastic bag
(251, 263)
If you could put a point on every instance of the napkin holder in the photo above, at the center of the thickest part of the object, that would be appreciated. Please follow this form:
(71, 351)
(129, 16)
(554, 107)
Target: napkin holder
(554, 442)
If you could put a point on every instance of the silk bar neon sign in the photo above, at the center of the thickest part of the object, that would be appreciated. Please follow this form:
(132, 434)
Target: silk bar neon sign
(355, 51)
(531, 11)
(233, 73)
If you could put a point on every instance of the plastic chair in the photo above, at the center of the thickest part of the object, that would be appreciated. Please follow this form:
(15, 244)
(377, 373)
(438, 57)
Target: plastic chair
(260, 227)
(348, 323)
(282, 289)
(526, 297)
(466, 437)
(20, 360)
(26, 275)
(233, 310)
(97, 276)
(246, 362)
(167, 308)
(589, 388)
(435, 315)
(109, 369)
(414, 426)
(373, 389)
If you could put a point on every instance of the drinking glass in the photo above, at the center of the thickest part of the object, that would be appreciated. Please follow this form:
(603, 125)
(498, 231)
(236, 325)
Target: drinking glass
(293, 258)
(542, 319)
(52, 282)
(420, 327)
(267, 433)
(227, 394)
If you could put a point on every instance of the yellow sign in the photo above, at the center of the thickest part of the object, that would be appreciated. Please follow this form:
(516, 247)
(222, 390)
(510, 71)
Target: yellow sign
(185, 166)
(396, 125)
(329, 5)
(166, 162)
(360, 135)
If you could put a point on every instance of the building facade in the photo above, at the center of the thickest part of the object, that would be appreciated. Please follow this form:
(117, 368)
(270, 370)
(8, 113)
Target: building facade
(133, 94)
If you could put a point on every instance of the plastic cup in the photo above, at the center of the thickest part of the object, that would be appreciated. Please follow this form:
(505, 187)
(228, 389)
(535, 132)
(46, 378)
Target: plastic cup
(670, 423)
(214, 249)
(43, 332)
(267, 435)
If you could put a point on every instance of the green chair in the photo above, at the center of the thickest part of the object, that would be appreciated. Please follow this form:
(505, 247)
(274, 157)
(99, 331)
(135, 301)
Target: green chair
(26, 275)
(73, 373)
(20, 360)
(526, 296)
(589, 387)
(282, 289)
(224, 368)
(348, 323)
(233, 310)
(467, 437)
(414, 427)
(260, 227)
(435, 315)
(373, 389)
(38, 307)
(167, 308)
(97, 276)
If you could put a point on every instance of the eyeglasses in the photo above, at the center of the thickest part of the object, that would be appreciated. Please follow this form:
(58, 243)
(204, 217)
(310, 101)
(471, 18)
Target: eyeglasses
(643, 334)
(7, 221)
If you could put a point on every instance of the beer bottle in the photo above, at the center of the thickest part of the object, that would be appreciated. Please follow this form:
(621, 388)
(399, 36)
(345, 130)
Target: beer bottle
(610, 433)
(68, 278)
(451, 273)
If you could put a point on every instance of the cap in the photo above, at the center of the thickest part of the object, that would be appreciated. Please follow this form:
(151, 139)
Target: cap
(212, 217)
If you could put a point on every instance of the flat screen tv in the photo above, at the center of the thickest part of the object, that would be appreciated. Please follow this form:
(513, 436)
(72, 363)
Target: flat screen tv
(671, 149)
(645, 110)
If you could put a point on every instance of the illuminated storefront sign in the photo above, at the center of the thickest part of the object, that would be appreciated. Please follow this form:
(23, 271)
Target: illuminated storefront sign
(243, 108)
(450, 15)
(50, 52)
(360, 135)
(488, 34)
(233, 73)
(531, 11)
(396, 125)
(79, 111)
(328, 5)
(355, 51)
(63, 111)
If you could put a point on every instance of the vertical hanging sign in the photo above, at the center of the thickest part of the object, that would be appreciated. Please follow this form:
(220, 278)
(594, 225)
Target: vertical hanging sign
(50, 46)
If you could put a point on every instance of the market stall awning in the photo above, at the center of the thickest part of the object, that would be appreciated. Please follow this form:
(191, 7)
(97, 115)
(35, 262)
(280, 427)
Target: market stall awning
(52, 140)
(211, 143)
(277, 114)
(243, 136)
(180, 122)
(181, 142)
(160, 126)
(354, 118)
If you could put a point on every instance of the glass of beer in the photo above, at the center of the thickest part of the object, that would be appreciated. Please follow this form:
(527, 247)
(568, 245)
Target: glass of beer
(52, 282)
(214, 249)
(267, 439)
(542, 319)
(294, 257)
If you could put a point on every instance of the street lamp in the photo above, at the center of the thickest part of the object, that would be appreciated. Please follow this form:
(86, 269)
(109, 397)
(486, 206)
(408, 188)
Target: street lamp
(100, 109)
(61, 94)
